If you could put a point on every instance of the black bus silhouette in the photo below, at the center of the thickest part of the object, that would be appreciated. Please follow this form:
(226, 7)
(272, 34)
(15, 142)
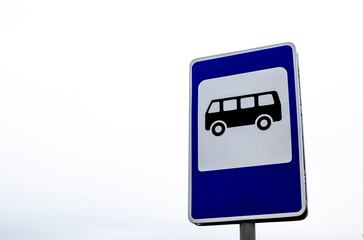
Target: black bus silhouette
(260, 108)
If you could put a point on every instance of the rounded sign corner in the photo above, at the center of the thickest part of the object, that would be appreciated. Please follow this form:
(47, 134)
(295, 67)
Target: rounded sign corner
(303, 213)
(192, 220)
(290, 44)
(194, 61)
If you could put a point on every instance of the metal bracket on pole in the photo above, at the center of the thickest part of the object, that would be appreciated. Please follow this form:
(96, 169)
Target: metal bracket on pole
(247, 231)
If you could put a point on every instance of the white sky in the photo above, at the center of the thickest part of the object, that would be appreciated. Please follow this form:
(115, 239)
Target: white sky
(94, 102)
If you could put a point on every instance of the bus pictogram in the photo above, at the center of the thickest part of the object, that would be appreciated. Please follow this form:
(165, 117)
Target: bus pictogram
(260, 109)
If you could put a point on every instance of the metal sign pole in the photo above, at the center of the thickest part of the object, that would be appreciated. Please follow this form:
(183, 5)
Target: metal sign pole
(247, 231)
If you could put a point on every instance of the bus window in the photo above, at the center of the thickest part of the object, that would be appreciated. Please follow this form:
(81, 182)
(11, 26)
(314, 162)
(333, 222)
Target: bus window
(229, 105)
(266, 99)
(214, 107)
(247, 102)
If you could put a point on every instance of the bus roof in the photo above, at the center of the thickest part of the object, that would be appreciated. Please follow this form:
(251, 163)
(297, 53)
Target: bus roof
(247, 95)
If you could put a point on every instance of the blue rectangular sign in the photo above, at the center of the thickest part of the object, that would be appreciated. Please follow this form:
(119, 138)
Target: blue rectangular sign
(246, 157)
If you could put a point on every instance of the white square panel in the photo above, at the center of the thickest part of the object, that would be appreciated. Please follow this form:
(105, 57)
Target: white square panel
(245, 145)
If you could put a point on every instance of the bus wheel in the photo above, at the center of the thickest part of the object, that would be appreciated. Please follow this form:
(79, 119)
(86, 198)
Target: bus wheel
(263, 122)
(218, 128)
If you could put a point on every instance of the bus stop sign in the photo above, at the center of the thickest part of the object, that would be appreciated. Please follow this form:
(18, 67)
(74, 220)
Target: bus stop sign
(246, 156)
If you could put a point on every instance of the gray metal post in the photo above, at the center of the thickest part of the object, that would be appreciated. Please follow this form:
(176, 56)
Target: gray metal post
(247, 231)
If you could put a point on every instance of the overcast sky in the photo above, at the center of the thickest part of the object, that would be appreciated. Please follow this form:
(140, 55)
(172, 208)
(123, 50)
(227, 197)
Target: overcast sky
(94, 104)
